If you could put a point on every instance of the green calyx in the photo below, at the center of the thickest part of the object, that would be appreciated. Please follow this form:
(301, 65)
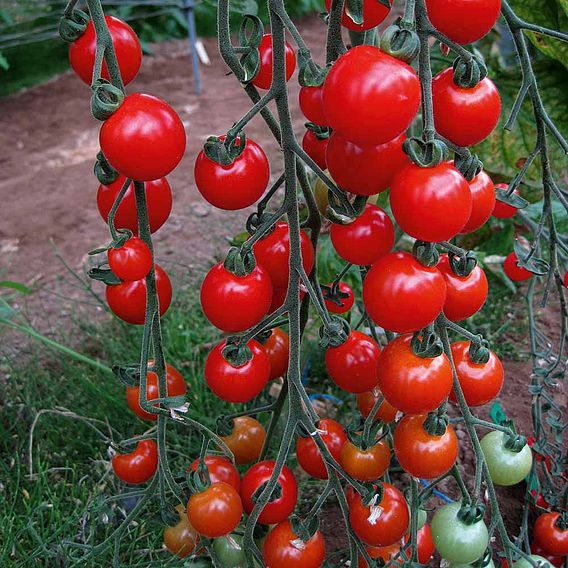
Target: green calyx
(104, 275)
(334, 333)
(344, 213)
(106, 99)
(426, 344)
(240, 261)
(225, 425)
(354, 11)
(529, 262)
(470, 514)
(401, 41)
(310, 74)
(426, 153)
(468, 72)
(250, 35)
(321, 132)
(104, 172)
(435, 424)
(469, 166)
(462, 266)
(226, 151)
(304, 530)
(198, 479)
(426, 253)
(72, 27)
(256, 220)
(510, 198)
(128, 374)
(235, 352)
(334, 294)
(514, 442)
(479, 352)
(372, 495)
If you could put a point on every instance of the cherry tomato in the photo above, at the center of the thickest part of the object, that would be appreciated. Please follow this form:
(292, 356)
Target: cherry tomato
(421, 454)
(181, 539)
(138, 466)
(263, 79)
(282, 548)
(515, 272)
(463, 21)
(315, 148)
(550, 536)
(480, 382)
(464, 116)
(402, 295)
(370, 97)
(503, 210)
(430, 204)
(392, 521)
(279, 508)
(386, 553)
(128, 299)
(237, 384)
(541, 562)
(229, 551)
(424, 543)
(373, 14)
(366, 239)
(465, 294)
(365, 402)
(365, 465)
(483, 202)
(144, 139)
(246, 439)
(132, 261)
(175, 386)
(311, 104)
(234, 303)
(506, 467)
(126, 47)
(345, 303)
(557, 561)
(158, 202)
(220, 469)
(247, 177)
(215, 511)
(277, 347)
(364, 170)
(333, 436)
(352, 365)
(272, 252)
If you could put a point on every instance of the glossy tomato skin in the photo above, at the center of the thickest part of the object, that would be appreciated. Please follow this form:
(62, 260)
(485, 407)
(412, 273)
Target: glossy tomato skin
(410, 383)
(235, 303)
(237, 384)
(557, 561)
(386, 553)
(144, 139)
(333, 436)
(430, 204)
(128, 299)
(364, 170)
(463, 21)
(365, 465)
(421, 454)
(315, 148)
(402, 295)
(391, 524)
(277, 347)
(158, 202)
(483, 202)
(132, 261)
(480, 382)
(229, 550)
(236, 185)
(263, 78)
(502, 210)
(346, 303)
(366, 401)
(181, 539)
(352, 365)
(515, 272)
(215, 511)
(551, 538)
(373, 14)
(464, 116)
(311, 104)
(424, 544)
(273, 254)
(220, 469)
(274, 511)
(279, 550)
(175, 386)
(465, 294)
(138, 466)
(246, 439)
(366, 239)
(370, 97)
(505, 466)
(126, 47)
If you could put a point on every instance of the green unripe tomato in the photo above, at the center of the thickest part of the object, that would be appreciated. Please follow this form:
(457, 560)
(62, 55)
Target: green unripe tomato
(455, 540)
(229, 551)
(542, 562)
(490, 565)
(505, 466)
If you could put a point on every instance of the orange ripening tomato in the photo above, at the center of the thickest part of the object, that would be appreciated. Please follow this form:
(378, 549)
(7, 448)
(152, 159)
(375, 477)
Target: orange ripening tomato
(365, 465)
(181, 539)
(366, 401)
(246, 439)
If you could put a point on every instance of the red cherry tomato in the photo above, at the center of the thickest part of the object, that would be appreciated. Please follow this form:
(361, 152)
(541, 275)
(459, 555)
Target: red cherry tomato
(424, 544)
(273, 253)
(220, 469)
(263, 79)
(550, 536)
(483, 202)
(247, 177)
(386, 553)
(480, 382)
(373, 14)
(308, 454)
(175, 386)
(465, 294)
(464, 116)
(283, 548)
(368, 464)
(234, 303)
(346, 303)
(315, 148)
(364, 170)
(237, 384)
(126, 47)
(138, 466)
(410, 383)
(402, 295)
(463, 21)
(158, 202)
(132, 261)
(277, 347)
(246, 439)
(430, 204)
(311, 104)
(144, 139)
(370, 97)
(392, 521)
(421, 454)
(503, 210)
(352, 366)
(366, 401)
(128, 299)
(215, 511)
(557, 561)
(366, 239)
(279, 508)
(515, 272)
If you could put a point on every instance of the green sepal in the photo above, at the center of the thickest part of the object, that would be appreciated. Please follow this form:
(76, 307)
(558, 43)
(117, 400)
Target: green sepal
(106, 99)
(321, 132)
(353, 9)
(426, 253)
(426, 344)
(235, 352)
(468, 166)
(310, 74)
(304, 531)
(104, 275)
(470, 514)
(400, 42)
(250, 61)
(510, 199)
(240, 261)
(72, 27)
(537, 266)
(435, 424)
(479, 352)
(515, 442)
(425, 154)
(461, 266)
(104, 172)
(334, 333)
(469, 72)
(128, 374)
(123, 236)
(225, 151)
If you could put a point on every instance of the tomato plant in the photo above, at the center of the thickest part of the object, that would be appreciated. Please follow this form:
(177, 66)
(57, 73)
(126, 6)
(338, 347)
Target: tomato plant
(507, 465)
(366, 401)
(340, 305)
(512, 269)
(365, 464)
(551, 534)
